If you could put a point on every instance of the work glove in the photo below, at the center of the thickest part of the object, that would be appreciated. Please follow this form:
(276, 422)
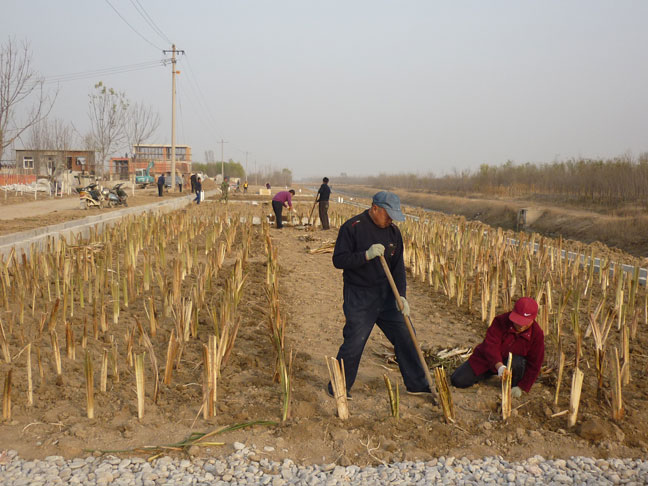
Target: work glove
(406, 309)
(501, 370)
(374, 250)
(516, 392)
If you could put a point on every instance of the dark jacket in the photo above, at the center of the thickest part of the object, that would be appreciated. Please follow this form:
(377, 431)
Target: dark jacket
(354, 239)
(502, 339)
(161, 180)
(324, 193)
(198, 185)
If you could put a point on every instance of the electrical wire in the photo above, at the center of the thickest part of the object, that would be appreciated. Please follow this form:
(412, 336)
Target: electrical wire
(61, 78)
(149, 20)
(132, 28)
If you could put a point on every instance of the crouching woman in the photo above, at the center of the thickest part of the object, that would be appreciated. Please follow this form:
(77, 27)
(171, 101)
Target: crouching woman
(514, 332)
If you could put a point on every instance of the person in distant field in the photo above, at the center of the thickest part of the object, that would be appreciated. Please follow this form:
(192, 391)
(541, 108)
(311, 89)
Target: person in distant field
(279, 201)
(198, 187)
(322, 198)
(160, 184)
(180, 181)
(245, 187)
(192, 179)
(368, 297)
(514, 332)
(224, 190)
(268, 186)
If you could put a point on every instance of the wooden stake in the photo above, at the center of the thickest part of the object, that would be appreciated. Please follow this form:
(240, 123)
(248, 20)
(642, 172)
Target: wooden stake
(89, 375)
(6, 397)
(139, 379)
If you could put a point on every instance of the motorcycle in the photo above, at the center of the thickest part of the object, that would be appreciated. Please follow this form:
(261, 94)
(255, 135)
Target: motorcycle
(116, 196)
(90, 197)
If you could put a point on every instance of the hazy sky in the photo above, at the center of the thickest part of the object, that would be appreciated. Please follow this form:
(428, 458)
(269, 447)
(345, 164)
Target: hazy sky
(362, 86)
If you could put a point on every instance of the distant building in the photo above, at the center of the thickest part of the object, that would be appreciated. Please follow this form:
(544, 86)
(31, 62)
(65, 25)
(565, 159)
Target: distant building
(48, 163)
(160, 155)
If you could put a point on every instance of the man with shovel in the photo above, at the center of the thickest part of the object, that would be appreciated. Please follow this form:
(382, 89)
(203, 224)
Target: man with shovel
(322, 198)
(368, 298)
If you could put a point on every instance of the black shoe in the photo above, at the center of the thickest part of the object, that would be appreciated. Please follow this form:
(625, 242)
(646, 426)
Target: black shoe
(329, 390)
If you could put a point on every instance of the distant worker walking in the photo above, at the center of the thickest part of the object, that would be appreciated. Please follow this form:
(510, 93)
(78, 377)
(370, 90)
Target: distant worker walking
(245, 187)
(323, 195)
(198, 188)
(160, 184)
(368, 297)
(193, 182)
(279, 201)
(224, 190)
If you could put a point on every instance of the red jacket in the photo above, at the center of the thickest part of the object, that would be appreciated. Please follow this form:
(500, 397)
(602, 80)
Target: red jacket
(502, 339)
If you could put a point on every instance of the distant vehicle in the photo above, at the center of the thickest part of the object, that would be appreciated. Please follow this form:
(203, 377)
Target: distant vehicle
(143, 177)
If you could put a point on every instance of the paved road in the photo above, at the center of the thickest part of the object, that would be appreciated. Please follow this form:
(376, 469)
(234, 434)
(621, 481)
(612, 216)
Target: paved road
(42, 206)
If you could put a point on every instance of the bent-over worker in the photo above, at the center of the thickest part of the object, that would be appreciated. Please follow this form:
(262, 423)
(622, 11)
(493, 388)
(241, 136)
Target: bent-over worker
(368, 297)
(514, 332)
(279, 201)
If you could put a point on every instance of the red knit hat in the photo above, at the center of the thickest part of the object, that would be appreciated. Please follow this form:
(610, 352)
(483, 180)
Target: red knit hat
(524, 312)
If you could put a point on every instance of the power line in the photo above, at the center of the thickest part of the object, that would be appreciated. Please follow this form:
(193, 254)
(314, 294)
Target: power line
(149, 20)
(132, 28)
(61, 78)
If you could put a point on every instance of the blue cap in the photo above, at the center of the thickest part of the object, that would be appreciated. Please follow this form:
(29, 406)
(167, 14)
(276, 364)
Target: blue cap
(391, 203)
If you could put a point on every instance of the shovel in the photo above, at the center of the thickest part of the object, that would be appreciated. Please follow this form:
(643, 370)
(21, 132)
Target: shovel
(311, 215)
(410, 328)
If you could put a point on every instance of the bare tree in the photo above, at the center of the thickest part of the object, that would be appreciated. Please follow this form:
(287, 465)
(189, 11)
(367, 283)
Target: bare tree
(108, 110)
(52, 134)
(142, 122)
(20, 86)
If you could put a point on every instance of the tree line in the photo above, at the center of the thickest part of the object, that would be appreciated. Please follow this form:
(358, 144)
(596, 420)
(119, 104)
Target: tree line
(599, 181)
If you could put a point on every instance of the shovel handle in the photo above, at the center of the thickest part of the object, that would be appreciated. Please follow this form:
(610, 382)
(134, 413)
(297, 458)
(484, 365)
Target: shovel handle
(408, 323)
(312, 209)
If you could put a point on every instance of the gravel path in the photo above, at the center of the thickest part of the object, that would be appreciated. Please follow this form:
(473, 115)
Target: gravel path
(246, 466)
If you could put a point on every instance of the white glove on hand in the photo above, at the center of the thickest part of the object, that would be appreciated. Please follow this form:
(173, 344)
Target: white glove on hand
(516, 392)
(406, 309)
(374, 250)
(500, 370)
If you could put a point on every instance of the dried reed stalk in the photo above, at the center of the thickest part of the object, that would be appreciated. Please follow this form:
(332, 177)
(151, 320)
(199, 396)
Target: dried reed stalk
(57, 358)
(89, 376)
(561, 367)
(103, 383)
(6, 397)
(441, 383)
(338, 383)
(30, 385)
(617, 388)
(393, 397)
(170, 358)
(507, 376)
(574, 399)
(4, 344)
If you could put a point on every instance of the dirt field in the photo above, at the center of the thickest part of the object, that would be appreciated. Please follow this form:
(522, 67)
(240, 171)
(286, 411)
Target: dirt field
(311, 292)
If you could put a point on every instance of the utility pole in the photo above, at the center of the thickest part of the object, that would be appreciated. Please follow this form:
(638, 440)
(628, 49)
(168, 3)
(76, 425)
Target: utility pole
(222, 159)
(173, 52)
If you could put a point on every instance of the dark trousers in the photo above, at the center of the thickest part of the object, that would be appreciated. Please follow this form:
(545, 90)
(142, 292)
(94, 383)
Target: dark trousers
(160, 189)
(277, 207)
(364, 307)
(323, 214)
(197, 198)
(465, 377)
